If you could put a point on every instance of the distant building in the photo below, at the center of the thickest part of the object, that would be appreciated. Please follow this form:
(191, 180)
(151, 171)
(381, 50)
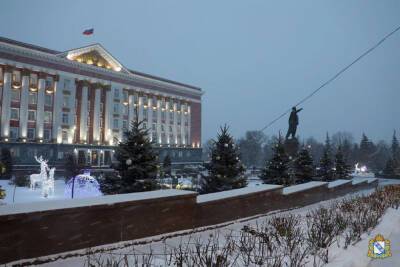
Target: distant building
(80, 101)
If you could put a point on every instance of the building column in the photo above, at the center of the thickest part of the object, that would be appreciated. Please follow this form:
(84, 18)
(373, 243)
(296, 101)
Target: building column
(83, 133)
(57, 104)
(175, 125)
(158, 111)
(182, 128)
(131, 110)
(107, 123)
(96, 115)
(40, 105)
(189, 126)
(23, 110)
(167, 112)
(140, 108)
(5, 107)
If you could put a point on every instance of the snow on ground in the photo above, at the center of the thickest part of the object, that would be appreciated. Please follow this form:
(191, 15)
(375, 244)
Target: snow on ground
(356, 256)
(24, 194)
(157, 244)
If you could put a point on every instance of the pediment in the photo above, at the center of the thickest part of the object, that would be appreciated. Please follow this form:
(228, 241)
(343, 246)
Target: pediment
(94, 55)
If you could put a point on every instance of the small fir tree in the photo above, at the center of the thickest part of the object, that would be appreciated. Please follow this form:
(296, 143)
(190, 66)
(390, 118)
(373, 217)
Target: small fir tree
(7, 161)
(276, 170)
(167, 165)
(137, 161)
(389, 170)
(303, 166)
(111, 184)
(342, 170)
(225, 171)
(395, 149)
(326, 163)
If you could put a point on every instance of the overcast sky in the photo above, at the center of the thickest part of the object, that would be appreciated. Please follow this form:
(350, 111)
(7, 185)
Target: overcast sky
(254, 59)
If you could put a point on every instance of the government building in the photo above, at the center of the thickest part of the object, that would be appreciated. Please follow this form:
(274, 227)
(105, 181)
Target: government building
(81, 101)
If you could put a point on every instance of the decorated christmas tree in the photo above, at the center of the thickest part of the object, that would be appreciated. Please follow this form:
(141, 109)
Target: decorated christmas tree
(111, 183)
(276, 170)
(342, 170)
(7, 161)
(303, 166)
(326, 164)
(225, 171)
(137, 161)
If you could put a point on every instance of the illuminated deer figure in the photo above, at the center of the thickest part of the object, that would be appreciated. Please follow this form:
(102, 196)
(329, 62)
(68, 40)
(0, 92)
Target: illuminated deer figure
(39, 178)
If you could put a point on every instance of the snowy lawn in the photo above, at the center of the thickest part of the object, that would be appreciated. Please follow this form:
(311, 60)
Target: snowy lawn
(24, 194)
(155, 247)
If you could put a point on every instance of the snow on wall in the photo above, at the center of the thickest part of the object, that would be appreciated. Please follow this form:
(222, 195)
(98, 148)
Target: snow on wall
(301, 187)
(91, 201)
(236, 192)
(338, 182)
(359, 180)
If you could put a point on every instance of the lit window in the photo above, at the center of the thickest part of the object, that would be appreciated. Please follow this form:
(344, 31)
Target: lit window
(47, 116)
(115, 124)
(65, 118)
(47, 134)
(32, 98)
(65, 101)
(31, 115)
(31, 133)
(15, 95)
(48, 100)
(15, 113)
(14, 132)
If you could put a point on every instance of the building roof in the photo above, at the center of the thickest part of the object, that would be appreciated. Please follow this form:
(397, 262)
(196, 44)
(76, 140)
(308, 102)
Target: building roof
(96, 47)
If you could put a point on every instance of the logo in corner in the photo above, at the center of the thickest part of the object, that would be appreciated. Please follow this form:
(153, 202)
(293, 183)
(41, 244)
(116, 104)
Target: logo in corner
(379, 247)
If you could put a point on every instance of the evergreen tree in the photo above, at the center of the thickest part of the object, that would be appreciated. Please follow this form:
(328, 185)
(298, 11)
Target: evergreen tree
(276, 170)
(366, 149)
(326, 163)
(342, 170)
(111, 184)
(167, 165)
(7, 161)
(137, 161)
(389, 170)
(225, 171)
(395, 154)
(303, 166)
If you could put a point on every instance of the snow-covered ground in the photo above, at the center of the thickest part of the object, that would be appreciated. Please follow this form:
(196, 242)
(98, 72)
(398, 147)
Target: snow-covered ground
(24, 194)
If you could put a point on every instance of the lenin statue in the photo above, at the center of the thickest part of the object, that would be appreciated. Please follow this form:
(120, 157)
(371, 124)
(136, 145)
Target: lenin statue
(293, 122)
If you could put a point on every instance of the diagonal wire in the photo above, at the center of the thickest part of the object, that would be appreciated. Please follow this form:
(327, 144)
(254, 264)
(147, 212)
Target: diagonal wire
(334, 77)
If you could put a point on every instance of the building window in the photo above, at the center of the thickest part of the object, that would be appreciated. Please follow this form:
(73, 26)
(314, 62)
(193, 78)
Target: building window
(116, 93)
(125, 93)
(116, 108)
(65, 101)
(31, 115)
(47, 134)
(67, 83)
(64, 136)
(14, 132)
(65, 118)
(47, 116)
(144, 126)
(154, 126)
(48, 100)
(15, 95)
(145, 114)
(32, 98)
(48, 82)
(31, 133)
(162, 127)
(154, 137)
(125, 124)
(115, 124)
(15, 113)
(170, 129)
(125, 109)
(171, 117)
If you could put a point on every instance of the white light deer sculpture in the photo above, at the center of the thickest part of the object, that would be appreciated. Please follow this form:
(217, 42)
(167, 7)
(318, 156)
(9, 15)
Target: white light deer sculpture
(46, 181)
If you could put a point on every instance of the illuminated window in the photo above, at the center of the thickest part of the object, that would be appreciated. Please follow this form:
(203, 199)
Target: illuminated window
(47, 116)
(32, 99)
(15, 95)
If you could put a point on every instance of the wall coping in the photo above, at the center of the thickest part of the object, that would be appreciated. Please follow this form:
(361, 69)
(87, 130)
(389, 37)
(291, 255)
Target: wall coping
(43, 206)
(337, 183)
(236, 193)
(302, 187)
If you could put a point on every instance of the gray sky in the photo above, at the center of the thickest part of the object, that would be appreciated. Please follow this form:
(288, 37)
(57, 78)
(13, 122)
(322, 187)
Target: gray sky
(253, 58)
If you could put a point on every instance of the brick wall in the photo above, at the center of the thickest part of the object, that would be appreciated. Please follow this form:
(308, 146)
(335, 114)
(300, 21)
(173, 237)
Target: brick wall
(27, 235)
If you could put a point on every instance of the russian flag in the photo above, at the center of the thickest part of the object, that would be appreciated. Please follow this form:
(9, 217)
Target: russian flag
(88, 31)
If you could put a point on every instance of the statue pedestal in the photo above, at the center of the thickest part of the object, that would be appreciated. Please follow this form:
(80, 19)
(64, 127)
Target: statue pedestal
(291, 147)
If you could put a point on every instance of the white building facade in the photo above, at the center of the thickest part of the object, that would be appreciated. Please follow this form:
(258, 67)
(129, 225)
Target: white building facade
(82, 100)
